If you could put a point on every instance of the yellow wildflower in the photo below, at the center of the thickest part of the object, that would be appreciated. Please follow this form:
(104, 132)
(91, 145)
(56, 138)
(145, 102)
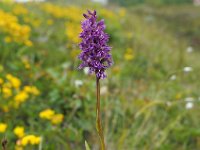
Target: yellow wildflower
(21, 97)
(30, 139)
(16, 32)
(3, 127)
(35, 91)
(15, 82)
(8, 76)
(32, 90)
(47, 114)
(27, 89)
(7, 92)
(19, 131)
(129, 55)
(57, 119)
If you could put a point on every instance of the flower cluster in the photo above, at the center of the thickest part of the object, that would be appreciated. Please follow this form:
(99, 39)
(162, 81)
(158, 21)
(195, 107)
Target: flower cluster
(95, 51)
(72, 16)
(23, 139)
(10, 26)
(20, 10)
(14, 93)
(50, 114)
(30, 139)
(71, 13)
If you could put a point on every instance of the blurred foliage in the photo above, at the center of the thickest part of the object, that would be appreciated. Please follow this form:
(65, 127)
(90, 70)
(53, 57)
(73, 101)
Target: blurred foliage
(152, 2)
(150, 99)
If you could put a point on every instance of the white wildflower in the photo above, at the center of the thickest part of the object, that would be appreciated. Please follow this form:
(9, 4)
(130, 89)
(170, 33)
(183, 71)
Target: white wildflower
(187, 69)
(173, 77)
(78, 83)
(189, 105)
(189, 49)
(189, 102)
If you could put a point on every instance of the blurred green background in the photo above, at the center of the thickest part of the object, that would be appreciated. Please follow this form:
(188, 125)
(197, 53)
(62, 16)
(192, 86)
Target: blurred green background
(150, 99)
(153, 2)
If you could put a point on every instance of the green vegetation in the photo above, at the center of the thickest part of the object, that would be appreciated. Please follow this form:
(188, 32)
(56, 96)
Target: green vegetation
(152, 2)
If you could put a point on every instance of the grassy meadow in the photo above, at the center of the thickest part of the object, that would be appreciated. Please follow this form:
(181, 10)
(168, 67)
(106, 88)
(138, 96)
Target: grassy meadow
(150, 99)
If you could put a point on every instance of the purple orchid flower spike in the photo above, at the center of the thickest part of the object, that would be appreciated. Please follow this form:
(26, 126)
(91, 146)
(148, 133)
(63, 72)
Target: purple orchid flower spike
(95, 51)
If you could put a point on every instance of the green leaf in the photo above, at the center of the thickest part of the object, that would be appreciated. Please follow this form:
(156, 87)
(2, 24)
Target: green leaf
(87, 146)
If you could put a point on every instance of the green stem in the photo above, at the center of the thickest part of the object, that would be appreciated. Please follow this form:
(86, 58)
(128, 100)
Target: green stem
(98, 115)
